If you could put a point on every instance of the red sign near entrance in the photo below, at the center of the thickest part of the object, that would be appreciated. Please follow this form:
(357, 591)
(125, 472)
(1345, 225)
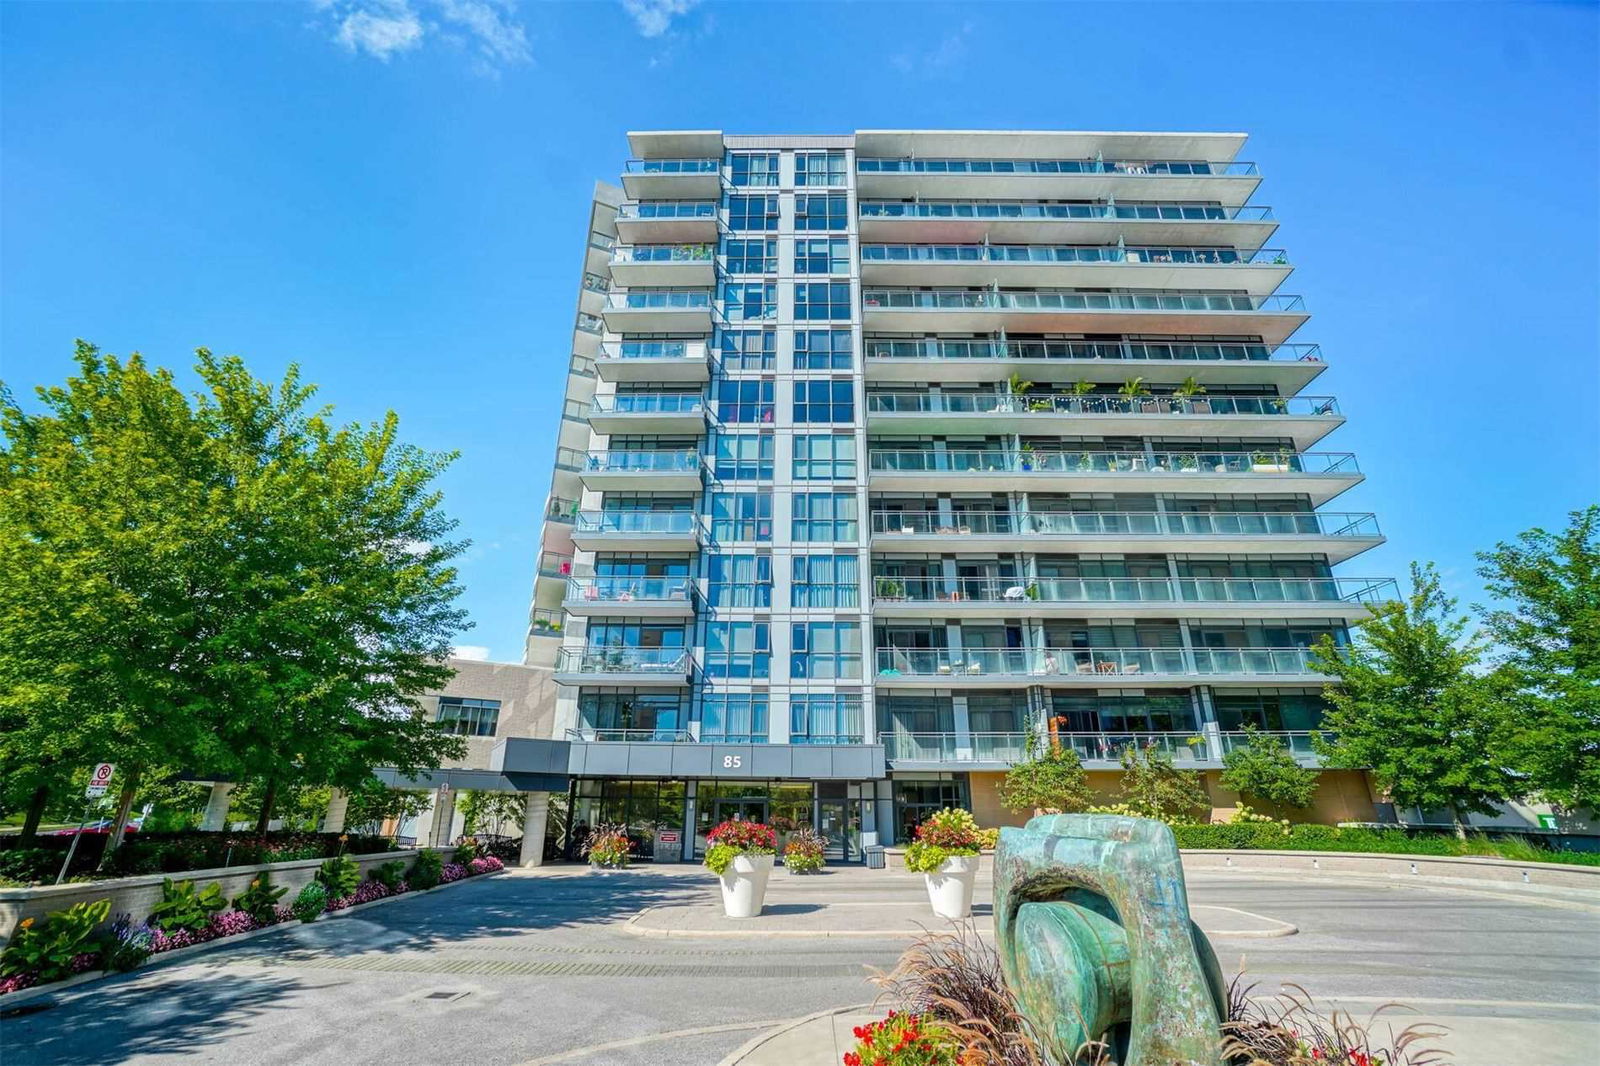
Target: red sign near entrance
(668, 836)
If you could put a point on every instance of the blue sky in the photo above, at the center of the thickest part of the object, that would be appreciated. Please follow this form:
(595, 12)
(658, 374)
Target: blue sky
(394, 193)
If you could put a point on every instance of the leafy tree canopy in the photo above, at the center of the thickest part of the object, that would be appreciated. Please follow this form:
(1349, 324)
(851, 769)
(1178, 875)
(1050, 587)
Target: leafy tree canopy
(1153, 788)
(1264, 768)
(1050, 780)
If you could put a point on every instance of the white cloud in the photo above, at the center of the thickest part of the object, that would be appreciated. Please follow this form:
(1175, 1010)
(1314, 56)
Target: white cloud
(491, 26)
(654, 17)
(384, 28)
(949, 53)
(474, 652)
(381, 30)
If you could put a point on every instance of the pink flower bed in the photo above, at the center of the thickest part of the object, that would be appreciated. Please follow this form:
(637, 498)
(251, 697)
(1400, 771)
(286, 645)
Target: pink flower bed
(486, 865)
(453, 871)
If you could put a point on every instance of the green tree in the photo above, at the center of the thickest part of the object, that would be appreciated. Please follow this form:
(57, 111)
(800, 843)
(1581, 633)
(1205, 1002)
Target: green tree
(1153, 788)
(228, 583)
(1049, 779)
(486, 812)
(1265, 769)
(1549, 633)
(372, 802)
(1414, 708)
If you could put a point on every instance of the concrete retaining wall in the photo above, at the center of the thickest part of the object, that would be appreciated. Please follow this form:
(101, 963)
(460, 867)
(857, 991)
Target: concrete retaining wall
(137, 895)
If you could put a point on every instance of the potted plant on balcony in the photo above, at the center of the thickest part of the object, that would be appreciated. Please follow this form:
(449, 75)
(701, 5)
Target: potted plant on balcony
(1026, 457)
(608, 848)
(1134, 392)
(741, 854)
(888, 588)
(1189, 392)
(1266, 462)
(946, 854)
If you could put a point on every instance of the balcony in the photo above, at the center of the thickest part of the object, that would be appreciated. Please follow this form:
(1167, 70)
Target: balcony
(913, 750)
(664, 265)
(1093, 667)
(1288, 366)
(648, 412)
(1273, 318)
(667, 222)
(645, 531)
(1027, 221)
(1071, 264)
(1097, 751)
(1336, 536)
(593, 735)
(671, 361)
(1303, 419)
(640, 667)
(672, 179)
(658, 311)
(1130, 597)
(1318, 475)
(636, 597)
(546, 622)
(641, 471)
(1152, 179)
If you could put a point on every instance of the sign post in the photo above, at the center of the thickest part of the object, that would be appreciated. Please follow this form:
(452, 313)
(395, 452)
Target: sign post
(99, 779)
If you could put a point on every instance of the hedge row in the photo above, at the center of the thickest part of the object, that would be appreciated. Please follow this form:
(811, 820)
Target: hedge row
(166, 853)
(1272, 836)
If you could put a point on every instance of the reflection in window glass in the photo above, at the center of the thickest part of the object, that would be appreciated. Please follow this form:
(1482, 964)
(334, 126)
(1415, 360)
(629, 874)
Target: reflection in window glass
(825, 516)
(823, 349)
(741, 516)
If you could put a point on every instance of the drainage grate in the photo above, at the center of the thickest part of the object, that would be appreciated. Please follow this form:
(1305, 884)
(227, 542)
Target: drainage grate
(448, 997)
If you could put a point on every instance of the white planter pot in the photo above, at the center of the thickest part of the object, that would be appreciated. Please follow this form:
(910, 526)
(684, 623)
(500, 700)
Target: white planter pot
(744, 885)
(950, 887)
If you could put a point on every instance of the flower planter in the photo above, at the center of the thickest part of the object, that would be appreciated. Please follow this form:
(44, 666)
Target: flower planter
(950, 887)
(744, 885)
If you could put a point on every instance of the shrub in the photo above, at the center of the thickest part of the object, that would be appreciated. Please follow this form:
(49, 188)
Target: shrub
(340, 876)
(465, 851)
(311, 902)
(608, 846)
(426, 870)
(945, 834)
(488, 864)
(803, 852)
(903, 1040)
(451, 871)
(389, 874)
(988, 839)
(729, 840)
(1154, 788)
(27, 865)
(182, 907)
(260, 899)
(127, 944)
(1266, 769)
(47, 949)
(369, 891)
(1052, 780)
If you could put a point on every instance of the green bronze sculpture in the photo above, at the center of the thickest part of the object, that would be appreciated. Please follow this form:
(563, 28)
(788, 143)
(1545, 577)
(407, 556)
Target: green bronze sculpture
(1093, 929)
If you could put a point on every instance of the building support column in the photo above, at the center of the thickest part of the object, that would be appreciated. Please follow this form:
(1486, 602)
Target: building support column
(338, 802)
(216, 816)
(535, 817)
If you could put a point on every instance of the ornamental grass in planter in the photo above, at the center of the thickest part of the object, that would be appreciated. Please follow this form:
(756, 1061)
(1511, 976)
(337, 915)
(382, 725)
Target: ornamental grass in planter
(608, 847)
(741, 854)
(802, 853)
(946, 854)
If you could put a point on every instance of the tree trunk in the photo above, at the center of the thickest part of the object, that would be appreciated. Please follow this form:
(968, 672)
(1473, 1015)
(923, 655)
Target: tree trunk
(119, 825)
(30, 823)
(1458, 822)
(268, 798)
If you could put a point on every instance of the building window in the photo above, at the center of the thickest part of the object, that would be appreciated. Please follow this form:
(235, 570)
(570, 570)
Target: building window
(746, 301)
(734, 719)
(825, 516)
(821, 212)
(915, 800)
(825, 720)
(824, 401)
(623, 714)
(754, 256)
(741, 516)
(826, 581)
(819, 168)
(748, 349)
(1274, 710)
(753, 168)
(825, 651)
(825, 457)
(739, 580)
(823, 349)
(827, 301)
(467, 717)
(822, 255)
(752, 212)
(743, 456)
(738, 650)
(742, 400)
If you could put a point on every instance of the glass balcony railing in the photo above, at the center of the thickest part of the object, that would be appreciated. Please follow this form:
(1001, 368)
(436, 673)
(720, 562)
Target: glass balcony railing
(590, 323)
(1020, 591)
(1163, 167)
(1044, 663)
(1073, 300)
(919, 402)
(648, 403)
(1185, 747)
(630, 461)
(628, 589)
(622, 661)
(953, 747)
(561, 510)
(598, 735)
(1069, 253)
(654, 350)
(1039, 210)
(663, 253)
(984, 460)
(645, 210)
(671, 166)
(1298, 743)
(1127, 523)
(659, 300)
(596, 283)
(659, 523)
(1188, 746)
(1158, 351)
(604, 241)
(554, 564)
(545, 622)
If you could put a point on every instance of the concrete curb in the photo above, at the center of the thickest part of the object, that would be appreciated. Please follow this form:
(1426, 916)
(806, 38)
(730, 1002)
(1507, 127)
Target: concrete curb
(168, 958)
(752, 1045)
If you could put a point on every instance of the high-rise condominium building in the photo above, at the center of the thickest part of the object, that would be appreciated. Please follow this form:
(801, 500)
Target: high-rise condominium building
(882, 453)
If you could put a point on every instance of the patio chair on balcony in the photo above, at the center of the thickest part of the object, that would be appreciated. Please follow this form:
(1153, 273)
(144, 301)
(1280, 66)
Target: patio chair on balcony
(1106, 667)
(1086, 668)
(1015, 592)
(1130, 668)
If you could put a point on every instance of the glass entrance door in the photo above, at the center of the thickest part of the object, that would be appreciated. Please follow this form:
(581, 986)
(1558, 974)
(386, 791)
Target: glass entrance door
(839, 821)
(744, 810)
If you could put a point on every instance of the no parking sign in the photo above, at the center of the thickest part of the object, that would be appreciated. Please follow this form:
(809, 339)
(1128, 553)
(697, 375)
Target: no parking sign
(99, 779)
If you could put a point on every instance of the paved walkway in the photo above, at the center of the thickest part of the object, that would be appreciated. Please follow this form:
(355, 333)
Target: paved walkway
(541, 968)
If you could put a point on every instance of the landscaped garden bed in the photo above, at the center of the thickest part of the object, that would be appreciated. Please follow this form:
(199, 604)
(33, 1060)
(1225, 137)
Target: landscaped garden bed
(176, 852)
